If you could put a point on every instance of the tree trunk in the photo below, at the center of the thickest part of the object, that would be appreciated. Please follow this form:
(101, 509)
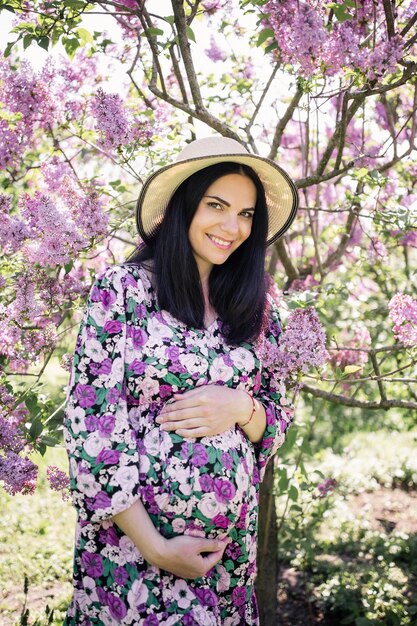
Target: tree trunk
(266, 582)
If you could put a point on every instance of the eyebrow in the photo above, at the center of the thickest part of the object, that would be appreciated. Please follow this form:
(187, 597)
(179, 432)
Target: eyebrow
(228, 203)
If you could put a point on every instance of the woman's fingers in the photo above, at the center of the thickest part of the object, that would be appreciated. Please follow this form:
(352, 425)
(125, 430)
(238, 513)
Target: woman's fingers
(188, 424)
(203, 431)
(177, 414)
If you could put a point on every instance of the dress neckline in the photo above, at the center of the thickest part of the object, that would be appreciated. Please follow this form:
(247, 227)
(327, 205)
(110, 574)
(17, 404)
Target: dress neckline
(152, 290)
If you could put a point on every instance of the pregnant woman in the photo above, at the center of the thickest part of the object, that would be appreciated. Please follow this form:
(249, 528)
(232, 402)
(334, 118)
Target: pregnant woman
(174, 406)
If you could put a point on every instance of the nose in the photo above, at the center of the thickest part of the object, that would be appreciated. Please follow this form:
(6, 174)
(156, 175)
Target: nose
(230, 224)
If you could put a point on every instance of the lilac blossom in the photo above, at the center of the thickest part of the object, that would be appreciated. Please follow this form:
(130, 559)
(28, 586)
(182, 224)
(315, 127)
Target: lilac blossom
(214, 52)
(58, 481)
(115, 124)
(403, 313)
(300, 347)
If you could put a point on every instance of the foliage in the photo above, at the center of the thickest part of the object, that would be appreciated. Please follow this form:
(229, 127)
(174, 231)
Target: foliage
(352, 571)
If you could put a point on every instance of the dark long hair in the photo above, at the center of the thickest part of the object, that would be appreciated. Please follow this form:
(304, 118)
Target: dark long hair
(237, 287)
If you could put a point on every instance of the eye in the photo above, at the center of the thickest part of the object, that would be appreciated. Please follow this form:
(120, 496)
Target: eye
(215, 205)
(248, 214)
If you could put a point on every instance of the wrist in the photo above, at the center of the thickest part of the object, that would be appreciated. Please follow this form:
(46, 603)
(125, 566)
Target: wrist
(249, 409)
(155, 552)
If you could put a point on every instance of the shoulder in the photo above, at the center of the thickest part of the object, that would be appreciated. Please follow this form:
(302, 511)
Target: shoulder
(121, 282)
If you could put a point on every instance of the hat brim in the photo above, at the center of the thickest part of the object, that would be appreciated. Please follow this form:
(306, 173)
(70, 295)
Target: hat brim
(280, 191)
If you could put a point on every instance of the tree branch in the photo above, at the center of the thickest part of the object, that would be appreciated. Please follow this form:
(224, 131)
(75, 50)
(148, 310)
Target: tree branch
(389, 18)
(184, 45)
(262, 98)
(354, 210)
(339, 133)
(408, 26)
(337, 399)
(283, 123)
(290, 269)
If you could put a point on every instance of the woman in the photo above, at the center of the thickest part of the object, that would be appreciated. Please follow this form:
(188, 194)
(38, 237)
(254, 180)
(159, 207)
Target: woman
(171, 416)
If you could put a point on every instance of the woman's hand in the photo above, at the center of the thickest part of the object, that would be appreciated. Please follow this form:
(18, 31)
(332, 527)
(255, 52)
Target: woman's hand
(190, 557)
(205, 411)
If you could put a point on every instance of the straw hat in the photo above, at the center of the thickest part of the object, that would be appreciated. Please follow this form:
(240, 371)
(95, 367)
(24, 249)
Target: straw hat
(281, 193)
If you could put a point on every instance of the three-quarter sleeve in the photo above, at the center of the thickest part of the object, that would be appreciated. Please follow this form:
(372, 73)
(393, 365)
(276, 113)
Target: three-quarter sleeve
(271, 391)
(101, 446)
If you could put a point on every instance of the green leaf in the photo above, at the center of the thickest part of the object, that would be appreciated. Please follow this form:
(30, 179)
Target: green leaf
(9, 48)
(27, 40)
(170, 19)
(290, 439)
(43, 42)
(293, 493)
(362, 172)
(70, 45)
(35, 429)
(154, 32)
(190, 34)
(32, 404)
(283, 483)
(85, 36)
(272, 46)
(68, 267)
(75, 4)
(264, 35)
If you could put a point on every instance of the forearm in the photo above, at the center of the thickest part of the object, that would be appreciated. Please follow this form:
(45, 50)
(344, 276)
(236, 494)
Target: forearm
(256, 427)
(137, 525)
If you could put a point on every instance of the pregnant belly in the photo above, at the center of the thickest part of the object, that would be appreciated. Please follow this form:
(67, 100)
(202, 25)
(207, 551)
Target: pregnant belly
(199, 487)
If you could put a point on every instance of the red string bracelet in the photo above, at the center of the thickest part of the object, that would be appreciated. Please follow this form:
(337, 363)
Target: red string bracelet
(253, 409)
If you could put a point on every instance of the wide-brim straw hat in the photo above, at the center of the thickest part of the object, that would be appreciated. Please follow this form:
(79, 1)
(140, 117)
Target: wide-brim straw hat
(280, 191)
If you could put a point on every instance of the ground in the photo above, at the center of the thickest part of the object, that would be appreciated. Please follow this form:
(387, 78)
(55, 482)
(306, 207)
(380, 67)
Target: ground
(385, 510)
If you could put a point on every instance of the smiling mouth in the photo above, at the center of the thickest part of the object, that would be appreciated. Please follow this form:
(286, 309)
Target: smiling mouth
(223, 244)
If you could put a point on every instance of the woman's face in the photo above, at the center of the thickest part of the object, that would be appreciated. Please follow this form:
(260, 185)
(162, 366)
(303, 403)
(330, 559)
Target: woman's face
(223, 221)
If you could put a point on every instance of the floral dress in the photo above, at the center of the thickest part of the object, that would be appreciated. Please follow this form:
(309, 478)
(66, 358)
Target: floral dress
(130, 358)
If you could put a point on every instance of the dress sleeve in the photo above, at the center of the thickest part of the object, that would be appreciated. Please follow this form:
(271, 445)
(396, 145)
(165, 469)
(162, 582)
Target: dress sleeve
(271, 392)
(101, 445)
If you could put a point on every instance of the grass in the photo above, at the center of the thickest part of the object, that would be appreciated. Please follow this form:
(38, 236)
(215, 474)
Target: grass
(36, 542)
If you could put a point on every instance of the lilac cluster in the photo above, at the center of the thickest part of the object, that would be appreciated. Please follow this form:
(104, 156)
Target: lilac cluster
(308, 39)
(403, 313)
(58, 481)
(17, 472)
(301, 346)
(215, 53)
(115, 124)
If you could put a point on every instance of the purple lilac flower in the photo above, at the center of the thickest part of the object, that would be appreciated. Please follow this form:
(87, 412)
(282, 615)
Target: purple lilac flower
(58, 481)
(403, 312)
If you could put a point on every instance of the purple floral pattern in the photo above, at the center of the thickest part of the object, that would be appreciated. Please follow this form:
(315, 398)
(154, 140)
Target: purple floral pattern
(130, 358)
